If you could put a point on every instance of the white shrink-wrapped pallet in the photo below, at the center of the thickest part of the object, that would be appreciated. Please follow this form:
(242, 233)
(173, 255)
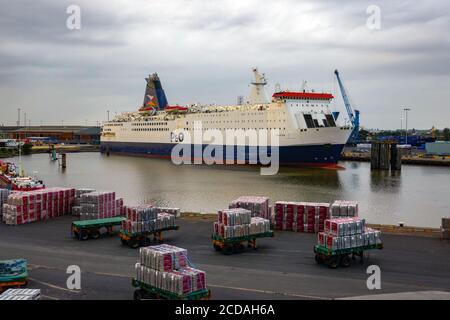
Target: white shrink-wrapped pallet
(257, 205)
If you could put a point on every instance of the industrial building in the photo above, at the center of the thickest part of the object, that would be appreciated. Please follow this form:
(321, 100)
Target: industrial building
(65, 134)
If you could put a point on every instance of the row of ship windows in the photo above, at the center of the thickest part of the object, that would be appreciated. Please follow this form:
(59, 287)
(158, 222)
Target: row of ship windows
(307, 105)
(114, 125)
(187, 129)
(150, 129)
(219, 114)
(242, 121)
(150, 124)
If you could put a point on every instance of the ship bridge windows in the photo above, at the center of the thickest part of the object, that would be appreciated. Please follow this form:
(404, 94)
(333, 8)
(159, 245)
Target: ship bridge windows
(309, 120)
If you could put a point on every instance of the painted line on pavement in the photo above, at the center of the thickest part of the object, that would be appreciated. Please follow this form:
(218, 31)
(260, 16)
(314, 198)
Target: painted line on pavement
(54, 286)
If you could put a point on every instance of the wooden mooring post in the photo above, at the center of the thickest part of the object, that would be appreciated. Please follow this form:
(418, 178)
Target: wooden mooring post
(384, 156)
(396, 158)
(63, 160)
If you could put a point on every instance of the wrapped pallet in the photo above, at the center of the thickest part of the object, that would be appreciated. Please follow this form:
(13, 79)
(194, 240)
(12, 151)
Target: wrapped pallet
(258, 206)
(99, 204)
(238, 222)
(345, 233)
(167, 267)
(31, 206)
(300, 216)
(146, 218)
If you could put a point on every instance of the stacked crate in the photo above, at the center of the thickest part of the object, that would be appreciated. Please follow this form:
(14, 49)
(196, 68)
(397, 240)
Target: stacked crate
(238, 222)
(4, 193)
(167, 268)
(76, 209)
(346, 233)
(27, 207)
(258, 206)
(300, 216)
(344, 208)
(100, 205)
(146, 218)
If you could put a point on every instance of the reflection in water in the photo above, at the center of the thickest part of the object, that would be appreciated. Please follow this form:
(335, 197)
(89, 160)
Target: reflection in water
(385, 180)
(411, 196)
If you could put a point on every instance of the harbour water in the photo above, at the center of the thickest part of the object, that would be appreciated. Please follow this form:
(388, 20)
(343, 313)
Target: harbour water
(418, 196)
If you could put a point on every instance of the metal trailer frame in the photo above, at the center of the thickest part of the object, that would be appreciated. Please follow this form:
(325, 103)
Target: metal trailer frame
(342, 257)
(146, 291)
(136, 240)
(90, 229)
(236, 244)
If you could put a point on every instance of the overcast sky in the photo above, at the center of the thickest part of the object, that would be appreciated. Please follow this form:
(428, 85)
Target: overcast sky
(204, 52)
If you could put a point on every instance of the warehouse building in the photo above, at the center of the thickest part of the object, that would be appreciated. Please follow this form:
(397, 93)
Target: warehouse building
(65, 134)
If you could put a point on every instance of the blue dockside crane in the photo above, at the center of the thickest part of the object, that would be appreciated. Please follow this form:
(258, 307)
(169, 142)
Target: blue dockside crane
(352, 115)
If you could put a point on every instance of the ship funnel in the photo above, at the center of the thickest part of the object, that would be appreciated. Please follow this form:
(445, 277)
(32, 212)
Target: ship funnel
(155, 96)
(257, 92)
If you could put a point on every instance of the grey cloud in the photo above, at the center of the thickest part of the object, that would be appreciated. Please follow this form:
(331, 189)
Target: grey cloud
(204, 50)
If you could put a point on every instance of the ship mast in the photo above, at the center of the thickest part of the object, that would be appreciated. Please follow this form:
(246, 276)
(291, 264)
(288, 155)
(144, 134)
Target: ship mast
(257, 92)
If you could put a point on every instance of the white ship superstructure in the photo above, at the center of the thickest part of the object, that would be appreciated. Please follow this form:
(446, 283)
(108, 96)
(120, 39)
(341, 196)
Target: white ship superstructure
(307, 130)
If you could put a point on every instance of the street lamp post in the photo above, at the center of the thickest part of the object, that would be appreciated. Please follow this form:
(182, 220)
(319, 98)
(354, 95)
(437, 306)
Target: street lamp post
(406, 124)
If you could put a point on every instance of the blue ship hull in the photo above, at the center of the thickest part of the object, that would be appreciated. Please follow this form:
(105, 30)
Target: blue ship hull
(310, 155)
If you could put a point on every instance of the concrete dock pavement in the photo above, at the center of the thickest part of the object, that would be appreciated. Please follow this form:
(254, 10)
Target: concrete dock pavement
(282, 268)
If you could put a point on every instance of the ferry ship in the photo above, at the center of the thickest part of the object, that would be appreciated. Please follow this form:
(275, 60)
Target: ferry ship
(308, 131)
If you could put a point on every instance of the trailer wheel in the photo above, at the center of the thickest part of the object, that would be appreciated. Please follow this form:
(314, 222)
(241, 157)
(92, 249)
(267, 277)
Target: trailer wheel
(95, 234)
(345, 261)
(84, 235)
(216, 247)
(238, 248)
(333, 262)
(133, 243)
(318, 258)
(124, 242)
(227, 250)
(139, 294)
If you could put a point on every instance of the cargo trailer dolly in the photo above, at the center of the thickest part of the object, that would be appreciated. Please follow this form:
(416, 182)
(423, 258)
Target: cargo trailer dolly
(90, 229)
(342, 257)
(13, 274)
(12, 285)
(146, 292)
(236, 244)
(136, 240)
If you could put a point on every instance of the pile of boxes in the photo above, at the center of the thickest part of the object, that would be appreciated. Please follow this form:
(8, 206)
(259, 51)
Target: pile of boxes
(238, 222)
(100, 205)
(146, 218)
(30, 206)
(4, 193)
(258, 206)
(345, 233)
(300, 216)
(76, 209)
(166, 267)
(342, 208)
